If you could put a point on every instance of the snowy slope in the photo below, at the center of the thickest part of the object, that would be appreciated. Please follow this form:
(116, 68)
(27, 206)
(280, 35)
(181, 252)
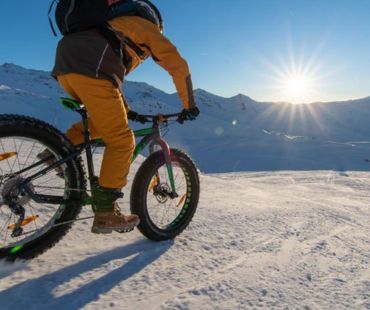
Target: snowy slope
(232, 134)
(259, 240)
(284, 240)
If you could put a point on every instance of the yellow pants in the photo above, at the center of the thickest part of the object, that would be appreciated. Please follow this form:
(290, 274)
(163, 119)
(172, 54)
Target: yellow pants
(107, 120)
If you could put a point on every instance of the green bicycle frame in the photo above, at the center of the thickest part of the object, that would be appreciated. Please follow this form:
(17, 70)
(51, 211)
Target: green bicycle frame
(151, 136)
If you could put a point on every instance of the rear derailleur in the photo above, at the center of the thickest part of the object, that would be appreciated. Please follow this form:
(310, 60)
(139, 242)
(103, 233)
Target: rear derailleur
(18, 210)
(14, 198)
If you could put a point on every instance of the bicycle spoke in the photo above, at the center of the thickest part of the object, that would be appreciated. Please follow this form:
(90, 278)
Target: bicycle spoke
(33, 214)
(18, 152)
(40, 184)
(29, 154)
(163, 213)
(33, 197)
(3, 150)
(40, 214)
(6, 228)
(36, 159)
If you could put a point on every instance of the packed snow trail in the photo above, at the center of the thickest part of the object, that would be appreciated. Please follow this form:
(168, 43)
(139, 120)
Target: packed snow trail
(258, 240)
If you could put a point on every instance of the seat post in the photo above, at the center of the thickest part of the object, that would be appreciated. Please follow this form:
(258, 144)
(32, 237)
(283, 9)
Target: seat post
(86, 134)
(78, 107)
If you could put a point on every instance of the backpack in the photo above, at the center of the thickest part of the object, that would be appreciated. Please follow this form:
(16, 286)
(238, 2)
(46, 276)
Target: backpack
(78, 15)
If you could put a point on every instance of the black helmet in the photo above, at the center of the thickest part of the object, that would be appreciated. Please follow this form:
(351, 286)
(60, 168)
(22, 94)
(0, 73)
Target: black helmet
(148, 10)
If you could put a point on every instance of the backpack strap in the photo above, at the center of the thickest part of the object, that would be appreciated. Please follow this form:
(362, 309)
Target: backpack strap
(117, 44)
(50, 21)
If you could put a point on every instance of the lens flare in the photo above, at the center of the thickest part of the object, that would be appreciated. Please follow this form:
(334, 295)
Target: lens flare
(219, 131)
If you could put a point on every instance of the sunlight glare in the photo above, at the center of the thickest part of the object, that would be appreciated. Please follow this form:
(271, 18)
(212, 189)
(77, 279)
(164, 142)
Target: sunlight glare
(297, 80)
(297, 88)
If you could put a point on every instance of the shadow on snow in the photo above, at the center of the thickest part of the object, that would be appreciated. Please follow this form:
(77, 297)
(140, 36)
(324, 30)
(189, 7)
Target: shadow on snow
(38, 293)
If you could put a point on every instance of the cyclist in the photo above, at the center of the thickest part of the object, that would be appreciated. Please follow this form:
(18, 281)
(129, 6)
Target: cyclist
(89, 70)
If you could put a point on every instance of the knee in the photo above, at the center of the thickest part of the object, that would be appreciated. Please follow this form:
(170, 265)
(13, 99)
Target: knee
(123, 140)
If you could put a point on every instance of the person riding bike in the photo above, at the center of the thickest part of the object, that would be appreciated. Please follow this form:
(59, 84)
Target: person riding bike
(91, 71)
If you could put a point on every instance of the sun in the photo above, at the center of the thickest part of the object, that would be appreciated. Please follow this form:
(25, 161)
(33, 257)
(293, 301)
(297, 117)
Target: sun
(297, 88)
(297, 80)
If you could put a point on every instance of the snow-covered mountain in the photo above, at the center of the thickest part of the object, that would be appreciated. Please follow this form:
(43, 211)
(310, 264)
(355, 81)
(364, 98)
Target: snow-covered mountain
(231, 134)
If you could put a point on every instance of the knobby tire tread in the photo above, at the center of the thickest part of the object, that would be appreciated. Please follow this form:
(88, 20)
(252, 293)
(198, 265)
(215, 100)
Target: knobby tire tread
(139, 192)
(50, 136)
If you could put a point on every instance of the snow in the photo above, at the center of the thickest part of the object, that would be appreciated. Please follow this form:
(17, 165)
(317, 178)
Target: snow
(282, 240)
(291, 232)
(4, 87)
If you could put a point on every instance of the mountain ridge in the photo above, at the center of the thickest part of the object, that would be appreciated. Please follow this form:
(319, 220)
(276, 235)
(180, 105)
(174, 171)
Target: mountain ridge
(11, 67)
(231, 134)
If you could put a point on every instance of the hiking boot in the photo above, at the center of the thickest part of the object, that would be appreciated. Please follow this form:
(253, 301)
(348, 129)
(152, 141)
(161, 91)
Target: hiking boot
(50, 159)
(108, 221)
(108, 215)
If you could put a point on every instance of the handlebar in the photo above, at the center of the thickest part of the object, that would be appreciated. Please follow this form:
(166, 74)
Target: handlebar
(158, 118)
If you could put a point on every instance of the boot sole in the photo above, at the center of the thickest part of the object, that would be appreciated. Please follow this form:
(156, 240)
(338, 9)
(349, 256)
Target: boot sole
(109, 230)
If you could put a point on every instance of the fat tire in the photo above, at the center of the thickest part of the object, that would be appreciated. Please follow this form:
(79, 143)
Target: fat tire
(139, 194)
(28, 127)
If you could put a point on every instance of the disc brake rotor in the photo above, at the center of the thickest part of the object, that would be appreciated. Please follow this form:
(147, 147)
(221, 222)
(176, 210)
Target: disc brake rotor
(162, 192)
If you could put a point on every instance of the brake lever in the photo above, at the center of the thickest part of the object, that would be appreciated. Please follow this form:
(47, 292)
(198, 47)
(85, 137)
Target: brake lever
(162, 119)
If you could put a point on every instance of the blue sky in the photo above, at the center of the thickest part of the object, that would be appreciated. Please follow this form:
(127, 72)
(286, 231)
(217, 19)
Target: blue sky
(234, 46)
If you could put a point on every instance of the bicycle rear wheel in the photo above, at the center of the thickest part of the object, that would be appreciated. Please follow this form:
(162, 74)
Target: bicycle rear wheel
(21, 140)
(163, 217)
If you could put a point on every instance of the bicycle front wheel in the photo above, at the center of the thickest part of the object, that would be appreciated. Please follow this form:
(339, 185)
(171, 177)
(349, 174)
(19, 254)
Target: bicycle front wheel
(163, 216)
(29, 227)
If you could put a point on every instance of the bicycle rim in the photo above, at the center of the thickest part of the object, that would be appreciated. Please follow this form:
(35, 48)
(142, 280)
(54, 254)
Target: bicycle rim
(163, 211)
(17, 153)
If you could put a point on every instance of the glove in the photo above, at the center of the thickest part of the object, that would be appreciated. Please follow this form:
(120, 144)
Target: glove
(136, 117)
(188, 114)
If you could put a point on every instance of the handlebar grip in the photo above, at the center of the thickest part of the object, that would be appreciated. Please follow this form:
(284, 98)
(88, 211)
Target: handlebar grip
(180, 120)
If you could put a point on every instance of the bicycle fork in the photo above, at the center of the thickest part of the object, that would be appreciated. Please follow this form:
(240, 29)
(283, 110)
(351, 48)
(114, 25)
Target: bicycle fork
(167, 157)
(152, 137)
